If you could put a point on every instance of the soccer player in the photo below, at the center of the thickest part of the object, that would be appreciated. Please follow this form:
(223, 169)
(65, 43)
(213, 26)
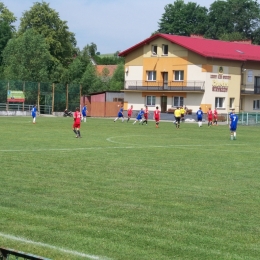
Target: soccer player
(199, 117)
(120, 114)
(139, 116)
(183, 111)
(76, 125)
(210, 115)
(129, 113)
(84, 113)
(215, 116)
(146, 113)
(156, 116)
(233, 125)
(177, 114)
(34, 112)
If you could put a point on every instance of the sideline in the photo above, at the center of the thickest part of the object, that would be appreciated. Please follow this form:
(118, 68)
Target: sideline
(71, 252)
(127, 147)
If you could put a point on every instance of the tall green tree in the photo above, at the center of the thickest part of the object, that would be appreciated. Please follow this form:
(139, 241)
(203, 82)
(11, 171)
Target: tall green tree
(46, 21)
(183, 19)
(27, 58)
(117, 81)
(6, 15)
(233, 17)
(7, 18)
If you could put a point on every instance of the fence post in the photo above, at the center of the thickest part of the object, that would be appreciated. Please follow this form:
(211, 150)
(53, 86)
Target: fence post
(7, 103)
(242, 118)
(246, 118)
(80, 93)
(52, 105)
(23, 93)
(256, 118)
(67, 96)
(38, 97)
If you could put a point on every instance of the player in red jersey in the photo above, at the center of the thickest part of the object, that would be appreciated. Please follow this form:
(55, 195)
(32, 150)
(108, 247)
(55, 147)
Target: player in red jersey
(129, 113)
(215, 116)
(156, 116)
(210, 115)
(76, 125)
(146, 113)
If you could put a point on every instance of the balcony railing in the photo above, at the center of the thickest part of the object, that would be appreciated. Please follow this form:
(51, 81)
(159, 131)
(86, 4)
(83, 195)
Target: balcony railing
(198, 86)
(250, 89)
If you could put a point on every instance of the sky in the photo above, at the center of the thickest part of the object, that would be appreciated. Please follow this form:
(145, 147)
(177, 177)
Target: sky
(113, 25)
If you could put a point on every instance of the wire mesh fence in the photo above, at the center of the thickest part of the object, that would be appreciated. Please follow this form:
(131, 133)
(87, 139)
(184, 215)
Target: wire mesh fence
(43, 94)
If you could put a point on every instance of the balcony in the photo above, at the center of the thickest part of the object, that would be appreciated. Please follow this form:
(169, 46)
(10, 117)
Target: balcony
(190, 85)
(250, 89)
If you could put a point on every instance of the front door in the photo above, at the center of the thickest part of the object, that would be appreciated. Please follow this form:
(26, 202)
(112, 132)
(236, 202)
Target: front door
(163, 104)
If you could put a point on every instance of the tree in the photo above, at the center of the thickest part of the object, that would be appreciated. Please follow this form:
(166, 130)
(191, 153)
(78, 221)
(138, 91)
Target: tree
(183, 19)
(90, 82)
(6, 15)
(241, 17)
(117, 81)
(6, 27)
(27, 58)
(46, 21)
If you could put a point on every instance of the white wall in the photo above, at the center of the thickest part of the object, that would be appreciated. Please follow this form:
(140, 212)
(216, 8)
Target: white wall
(134, 73)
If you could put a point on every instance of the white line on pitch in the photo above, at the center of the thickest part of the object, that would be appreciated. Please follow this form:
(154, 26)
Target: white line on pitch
(75, 253)
(123, 147)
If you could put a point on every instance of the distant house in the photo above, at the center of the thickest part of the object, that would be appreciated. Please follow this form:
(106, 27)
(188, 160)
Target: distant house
(169, 71)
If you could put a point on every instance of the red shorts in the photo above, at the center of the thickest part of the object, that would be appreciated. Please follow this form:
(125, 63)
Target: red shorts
(209, 118)
(76, 125)
(157, 119)
(146, 116)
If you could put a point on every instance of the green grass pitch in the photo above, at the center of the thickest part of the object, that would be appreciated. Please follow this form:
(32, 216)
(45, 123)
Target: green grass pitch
(129, 192)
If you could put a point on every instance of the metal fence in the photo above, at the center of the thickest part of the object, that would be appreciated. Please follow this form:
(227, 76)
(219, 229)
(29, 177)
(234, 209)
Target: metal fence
(44, 95)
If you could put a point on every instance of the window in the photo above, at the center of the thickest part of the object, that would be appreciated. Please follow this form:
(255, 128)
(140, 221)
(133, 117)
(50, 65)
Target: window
(151, 75)
(231, 102)
(165, 49)
(256, 104)
(219, 102)
(250, 76)
(178, 75)
(150, 100)
(154, 50)
(177, 101)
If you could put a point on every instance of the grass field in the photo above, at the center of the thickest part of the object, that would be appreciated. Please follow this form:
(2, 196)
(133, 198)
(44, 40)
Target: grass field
(127, 191)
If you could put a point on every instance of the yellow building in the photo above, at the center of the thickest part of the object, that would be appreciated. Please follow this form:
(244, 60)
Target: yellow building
(169, 71)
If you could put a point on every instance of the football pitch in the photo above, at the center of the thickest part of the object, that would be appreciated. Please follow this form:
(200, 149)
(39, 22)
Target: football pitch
(129, 192)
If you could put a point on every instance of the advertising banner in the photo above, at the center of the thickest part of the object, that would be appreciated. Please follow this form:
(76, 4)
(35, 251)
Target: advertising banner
(15, 96)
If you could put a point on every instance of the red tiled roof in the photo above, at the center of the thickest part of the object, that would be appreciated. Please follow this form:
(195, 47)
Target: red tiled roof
(207, 47)
(111, 68)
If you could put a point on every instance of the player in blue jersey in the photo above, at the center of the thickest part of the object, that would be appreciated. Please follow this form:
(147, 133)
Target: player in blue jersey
(233, 125)
(139, 116)
(199, 117)
(120, 114)
(84, 113)
(33, 113)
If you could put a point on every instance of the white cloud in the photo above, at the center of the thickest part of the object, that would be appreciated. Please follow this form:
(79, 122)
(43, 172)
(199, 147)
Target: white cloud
(113, 25)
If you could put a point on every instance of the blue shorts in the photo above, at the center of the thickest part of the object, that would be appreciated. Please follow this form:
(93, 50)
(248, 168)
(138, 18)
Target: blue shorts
(138, 118)
(199, 118)
(120, 115)
(84, 114)
(233, 128)
(33, 115)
